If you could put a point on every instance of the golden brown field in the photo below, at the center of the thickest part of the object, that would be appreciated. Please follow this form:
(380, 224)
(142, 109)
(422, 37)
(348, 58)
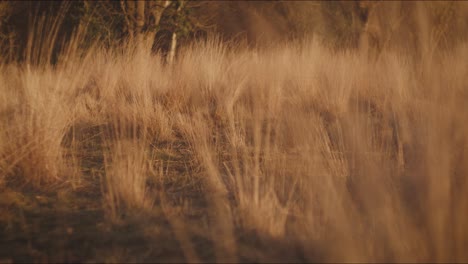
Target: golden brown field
(294, 152)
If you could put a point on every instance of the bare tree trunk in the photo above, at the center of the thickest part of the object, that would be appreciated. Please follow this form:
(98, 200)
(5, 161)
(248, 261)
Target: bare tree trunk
(172, 51)
(381, 27)
(424, 38)
(140, 19)
(369, 36)
(129, 11)
(157, 8)
(171, 55)
(11, 48)
(138, 16)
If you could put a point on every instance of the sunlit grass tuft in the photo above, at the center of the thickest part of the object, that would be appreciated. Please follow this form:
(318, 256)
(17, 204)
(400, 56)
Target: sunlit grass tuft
(347, 158)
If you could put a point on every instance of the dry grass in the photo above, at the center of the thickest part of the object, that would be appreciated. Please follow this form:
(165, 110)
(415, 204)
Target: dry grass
(316, 155)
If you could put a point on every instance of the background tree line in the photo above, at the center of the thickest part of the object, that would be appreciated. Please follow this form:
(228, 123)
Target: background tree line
(167, 23)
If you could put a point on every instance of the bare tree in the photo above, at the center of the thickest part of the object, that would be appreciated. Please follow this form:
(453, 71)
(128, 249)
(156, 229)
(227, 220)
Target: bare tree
(381, 22)
(143, 17)
(172, 50)
(417, 27)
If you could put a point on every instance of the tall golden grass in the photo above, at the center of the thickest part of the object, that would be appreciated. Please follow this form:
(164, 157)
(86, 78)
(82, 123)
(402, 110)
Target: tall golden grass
(322, 155)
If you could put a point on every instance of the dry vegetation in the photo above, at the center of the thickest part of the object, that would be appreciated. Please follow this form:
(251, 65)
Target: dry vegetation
(289, 153)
